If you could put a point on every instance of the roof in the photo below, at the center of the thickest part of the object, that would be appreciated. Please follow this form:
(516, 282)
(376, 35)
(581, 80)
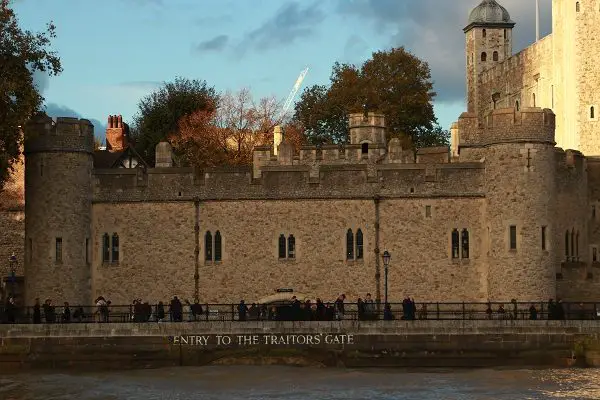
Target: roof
(489, 13)
(104, 159)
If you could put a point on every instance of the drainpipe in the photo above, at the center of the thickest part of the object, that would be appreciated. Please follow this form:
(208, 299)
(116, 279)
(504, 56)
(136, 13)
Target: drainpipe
(376, 199)
(197, 252)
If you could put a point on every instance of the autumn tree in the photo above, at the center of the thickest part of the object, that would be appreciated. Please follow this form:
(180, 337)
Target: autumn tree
(395, 83)
(21, 53)
(160, 113)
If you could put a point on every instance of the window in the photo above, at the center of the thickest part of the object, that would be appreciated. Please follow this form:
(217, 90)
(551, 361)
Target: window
(455, 244)
(427, 211)
(58, 250)
(218, 246)
(282, 246)
(105, 248)
(592, 112)
(517, 106)
(505, 34)
(567, 246)
(291, 247)
(495, 56)
(87, 251)
(364, 148)
(577, 245)
(593, 212)
(513, 237)
(577, 7)
(115, 248)
(594, 254)
(349, 245)
(533, 99)
(208, 246)
(465, 243)
(483, 57)
(484, 33)
(543, 238)
(573, 244)
(359, 245)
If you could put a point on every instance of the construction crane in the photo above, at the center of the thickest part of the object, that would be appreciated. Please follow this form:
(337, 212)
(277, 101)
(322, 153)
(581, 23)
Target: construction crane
(290, 99)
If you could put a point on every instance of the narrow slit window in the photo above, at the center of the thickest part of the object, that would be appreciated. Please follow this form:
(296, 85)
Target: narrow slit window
(592, 112)
(115, 248)
(59, 250)
(577, 245)
(105, 248)
(484, 56)
(427, 211)
(291, 247)
(495, 56)
(359, 245)
(517, 106)
(282, 246)
(484, 33)
(543, 238)
(513, 237)
(87, 251)
(208, 246)
(349, 245)
(218, 246)
(594, 254)
(593, 212)
(455, 244)
(573, 255)
(465, 243)
(567, 246)
(577, 7)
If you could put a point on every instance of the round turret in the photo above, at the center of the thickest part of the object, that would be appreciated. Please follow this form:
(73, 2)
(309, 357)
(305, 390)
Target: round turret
(489, 13)
(58, 192)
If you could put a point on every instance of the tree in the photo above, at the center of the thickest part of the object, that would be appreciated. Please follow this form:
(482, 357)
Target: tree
(160, 113)
(21, 53)
(394, 82)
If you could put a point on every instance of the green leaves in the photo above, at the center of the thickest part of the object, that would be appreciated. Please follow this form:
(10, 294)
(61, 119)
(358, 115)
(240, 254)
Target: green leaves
(393, 82)
(21, 53)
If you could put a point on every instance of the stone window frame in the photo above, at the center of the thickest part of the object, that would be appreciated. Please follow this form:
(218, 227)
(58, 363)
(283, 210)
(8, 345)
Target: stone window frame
(483, 56)
(213, 247)
(594, 254)
(455, 244)
(544, 238)
(349, 245)
(354, 245)
(592, 112)
(428, 209)
(509, 241)
(577, 6)
(58, 250)
(107, 248)
(283, 244)
(495, 56)
(484, 33)
(465, 244)
(567, 238)
(115, 249)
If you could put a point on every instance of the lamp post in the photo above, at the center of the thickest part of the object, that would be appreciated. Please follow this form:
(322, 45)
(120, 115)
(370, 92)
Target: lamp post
(386, 262)
(12, 262)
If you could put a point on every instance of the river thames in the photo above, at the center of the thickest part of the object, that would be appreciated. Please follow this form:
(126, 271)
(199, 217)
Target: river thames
(291, 383)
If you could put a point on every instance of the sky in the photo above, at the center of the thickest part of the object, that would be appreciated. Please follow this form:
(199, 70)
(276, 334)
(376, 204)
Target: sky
(115, 52)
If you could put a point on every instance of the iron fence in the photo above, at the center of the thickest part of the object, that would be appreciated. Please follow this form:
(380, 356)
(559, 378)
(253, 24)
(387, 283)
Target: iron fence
(230, 312)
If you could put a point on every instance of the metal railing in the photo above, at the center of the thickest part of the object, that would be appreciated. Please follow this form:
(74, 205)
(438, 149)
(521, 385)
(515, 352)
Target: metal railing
(328, 312)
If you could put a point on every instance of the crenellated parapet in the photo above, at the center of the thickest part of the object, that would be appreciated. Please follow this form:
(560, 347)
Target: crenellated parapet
(506, 125)
(43, 134)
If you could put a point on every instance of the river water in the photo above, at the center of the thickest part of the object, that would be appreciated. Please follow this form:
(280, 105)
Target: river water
(294, 383)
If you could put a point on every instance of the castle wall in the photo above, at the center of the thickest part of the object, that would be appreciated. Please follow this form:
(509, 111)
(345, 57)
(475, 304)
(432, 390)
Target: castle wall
(12, 221)
(519, 78)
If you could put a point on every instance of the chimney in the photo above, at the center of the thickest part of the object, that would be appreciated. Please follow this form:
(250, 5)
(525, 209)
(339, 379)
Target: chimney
(277, 138)
(116, 134)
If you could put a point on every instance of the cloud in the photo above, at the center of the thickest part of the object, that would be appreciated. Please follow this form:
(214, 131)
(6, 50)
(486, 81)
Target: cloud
(355, 49)
(290, 22)
(217, 43)
(41, 80)
(432, 30)
(56, 110)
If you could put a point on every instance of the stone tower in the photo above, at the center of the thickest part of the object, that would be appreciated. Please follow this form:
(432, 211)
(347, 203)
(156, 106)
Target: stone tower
(488, 42)
(367, 128)
(576, 29)
(58, 193)
(520, 201)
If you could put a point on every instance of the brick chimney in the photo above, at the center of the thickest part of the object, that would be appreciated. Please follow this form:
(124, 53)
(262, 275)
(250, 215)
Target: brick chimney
(116, 134)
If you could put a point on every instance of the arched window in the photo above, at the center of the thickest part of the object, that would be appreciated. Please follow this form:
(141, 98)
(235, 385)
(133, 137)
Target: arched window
(282, 246)
(359, 245)
(105, 248)
(465, 243)
(208, 246)
(533, 99)
(483, 57)
(115, 247)
(592, 112)
(567, 245)
(291, 247)
(349, 245)
(577, 7)
(495, 56)
(455, 244)
(517, 105)
(364, 148)
(218, 246)
(484, 33)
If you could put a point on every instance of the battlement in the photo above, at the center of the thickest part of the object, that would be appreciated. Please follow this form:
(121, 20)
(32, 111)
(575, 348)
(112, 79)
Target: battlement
(44, 134)
(506, 125)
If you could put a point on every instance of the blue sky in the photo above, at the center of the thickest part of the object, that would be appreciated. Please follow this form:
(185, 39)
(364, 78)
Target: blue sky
(116, 51)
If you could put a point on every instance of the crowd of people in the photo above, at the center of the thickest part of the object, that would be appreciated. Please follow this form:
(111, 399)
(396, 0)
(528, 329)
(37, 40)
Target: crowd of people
(292, 309)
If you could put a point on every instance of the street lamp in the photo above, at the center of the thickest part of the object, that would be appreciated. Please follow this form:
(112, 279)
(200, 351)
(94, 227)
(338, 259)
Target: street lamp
(386, 262)
(12, 262)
